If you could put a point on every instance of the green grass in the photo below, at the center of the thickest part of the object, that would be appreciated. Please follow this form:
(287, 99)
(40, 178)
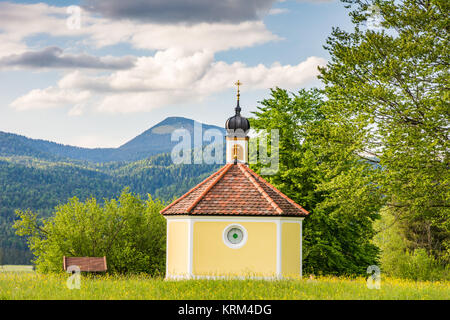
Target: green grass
(30, 285)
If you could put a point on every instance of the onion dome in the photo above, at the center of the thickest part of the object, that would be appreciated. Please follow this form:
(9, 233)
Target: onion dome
(237, 124)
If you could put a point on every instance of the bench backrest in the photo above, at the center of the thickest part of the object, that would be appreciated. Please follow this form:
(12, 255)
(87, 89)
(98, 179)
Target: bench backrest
(88, 264)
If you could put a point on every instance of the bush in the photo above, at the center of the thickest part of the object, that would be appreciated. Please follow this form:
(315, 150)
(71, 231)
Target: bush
(130, 232)
(418, 265)
(400, 262)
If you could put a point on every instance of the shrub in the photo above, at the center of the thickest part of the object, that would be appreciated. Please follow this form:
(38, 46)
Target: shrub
(130, 232)
(418, 265)
(399, 261)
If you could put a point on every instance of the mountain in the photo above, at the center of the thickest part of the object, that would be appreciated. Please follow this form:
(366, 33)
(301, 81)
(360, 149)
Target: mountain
(154, 141)
(39, 175)
(159, 138)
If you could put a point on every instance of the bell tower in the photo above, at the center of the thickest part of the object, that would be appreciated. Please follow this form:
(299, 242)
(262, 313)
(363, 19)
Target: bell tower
(237, 140)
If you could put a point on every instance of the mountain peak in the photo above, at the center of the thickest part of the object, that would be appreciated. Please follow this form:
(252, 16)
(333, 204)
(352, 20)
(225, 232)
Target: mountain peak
(159, 136)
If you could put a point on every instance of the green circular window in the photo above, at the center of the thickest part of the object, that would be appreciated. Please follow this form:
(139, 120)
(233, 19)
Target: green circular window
(235, 236)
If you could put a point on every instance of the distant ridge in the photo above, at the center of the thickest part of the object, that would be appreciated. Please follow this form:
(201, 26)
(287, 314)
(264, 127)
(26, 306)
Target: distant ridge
(153, 141)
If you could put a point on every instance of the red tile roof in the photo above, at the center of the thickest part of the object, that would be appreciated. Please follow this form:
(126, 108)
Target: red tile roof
(234, 189)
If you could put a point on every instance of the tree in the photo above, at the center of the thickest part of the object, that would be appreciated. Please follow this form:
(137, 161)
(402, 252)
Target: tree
(388, 101)
(128, 231)
(338, 232)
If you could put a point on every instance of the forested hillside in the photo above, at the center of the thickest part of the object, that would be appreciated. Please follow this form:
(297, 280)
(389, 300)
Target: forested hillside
(39, 175)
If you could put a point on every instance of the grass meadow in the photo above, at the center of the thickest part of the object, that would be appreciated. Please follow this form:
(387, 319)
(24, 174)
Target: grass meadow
(22, 283)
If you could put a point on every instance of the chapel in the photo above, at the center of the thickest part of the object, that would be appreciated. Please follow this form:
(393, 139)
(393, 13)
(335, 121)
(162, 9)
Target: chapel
(234, 224)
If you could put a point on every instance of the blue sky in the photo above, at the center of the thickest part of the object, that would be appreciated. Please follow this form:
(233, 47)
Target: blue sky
(131, 64)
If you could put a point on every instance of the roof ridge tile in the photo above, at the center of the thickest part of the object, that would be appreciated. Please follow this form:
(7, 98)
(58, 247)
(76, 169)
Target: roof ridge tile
(277, 191)
(260, 190)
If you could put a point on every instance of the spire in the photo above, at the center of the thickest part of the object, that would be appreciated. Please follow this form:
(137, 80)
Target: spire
(237, 128)
(237, 123)
(238, 108)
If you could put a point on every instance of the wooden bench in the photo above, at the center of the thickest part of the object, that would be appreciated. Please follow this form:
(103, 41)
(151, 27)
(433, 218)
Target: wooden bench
(87, 264)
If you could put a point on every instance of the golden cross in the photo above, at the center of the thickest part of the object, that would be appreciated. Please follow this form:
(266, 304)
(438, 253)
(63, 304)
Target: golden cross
(235, 151)
(238, 83)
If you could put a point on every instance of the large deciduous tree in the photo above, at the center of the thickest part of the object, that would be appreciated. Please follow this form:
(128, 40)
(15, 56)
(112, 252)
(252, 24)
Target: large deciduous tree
(388, 101)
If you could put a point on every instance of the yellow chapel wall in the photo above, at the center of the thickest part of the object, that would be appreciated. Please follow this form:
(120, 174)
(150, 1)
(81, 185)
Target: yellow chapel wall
(290, 249)
(177, 248)
(256, 258)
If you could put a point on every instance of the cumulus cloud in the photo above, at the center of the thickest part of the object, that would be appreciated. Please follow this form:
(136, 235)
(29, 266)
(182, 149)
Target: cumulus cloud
(203, 36)
(51, 97)
(276, 11)
(169, 77)
(223, 75)
(181, 11)
(171, 70)
(77, 110)
(98, 31)
(217, 77)
(54, 57)
(183, 68)
(215, 34)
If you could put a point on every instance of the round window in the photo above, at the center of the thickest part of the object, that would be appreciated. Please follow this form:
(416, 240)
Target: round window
(235, 236)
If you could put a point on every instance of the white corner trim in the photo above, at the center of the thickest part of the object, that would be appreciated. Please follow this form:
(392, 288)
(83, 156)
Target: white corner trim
(301, 248)
(279, 272)
(190, 247)
(167, 247)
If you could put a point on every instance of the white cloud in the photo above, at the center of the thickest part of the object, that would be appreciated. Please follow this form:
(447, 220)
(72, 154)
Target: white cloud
(204, 36)
(275, 11)
(131, 102)
(77, 110)
(84, 80)
(20, 21)
(99, 32)
(168, 77)
(166, 70)
(182, 70)
(223, 75)
(50, 97)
